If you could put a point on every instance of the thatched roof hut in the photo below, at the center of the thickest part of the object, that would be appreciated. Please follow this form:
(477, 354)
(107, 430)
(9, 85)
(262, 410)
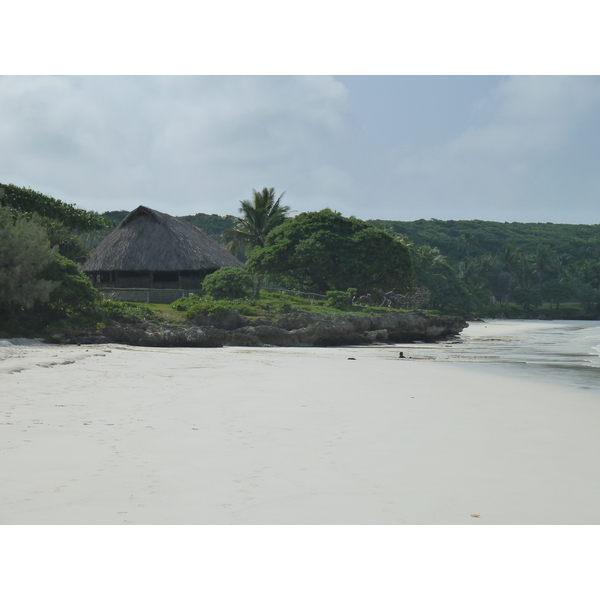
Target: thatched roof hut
(152, 249)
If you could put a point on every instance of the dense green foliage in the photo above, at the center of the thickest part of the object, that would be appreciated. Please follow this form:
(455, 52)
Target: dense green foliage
(340, 300)
(324, 251)
(123, 312)
(74, 291)
(270, 305)
(459, 239)
(437, 285)
(114, 217)
(64, 223)
(24, 254)
(26, 201)
(212, 225)
(228, 282)
(193, 305)
(39, 283)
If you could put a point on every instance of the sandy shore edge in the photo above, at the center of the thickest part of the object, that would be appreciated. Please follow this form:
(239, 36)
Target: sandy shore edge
(119, 435)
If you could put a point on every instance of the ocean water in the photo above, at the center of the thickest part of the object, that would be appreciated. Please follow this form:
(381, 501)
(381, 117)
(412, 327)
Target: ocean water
(565, 352)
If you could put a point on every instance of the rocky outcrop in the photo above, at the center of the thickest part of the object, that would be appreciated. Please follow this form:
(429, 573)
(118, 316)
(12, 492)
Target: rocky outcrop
(205, 337)
(229, 321)
(300, 329)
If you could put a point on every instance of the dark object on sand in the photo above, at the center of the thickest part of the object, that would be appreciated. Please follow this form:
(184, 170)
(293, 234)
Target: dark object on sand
(351, 359)
(401, 355)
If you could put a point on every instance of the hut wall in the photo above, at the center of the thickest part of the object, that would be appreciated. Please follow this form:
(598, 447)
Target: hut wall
(131, 279)
(146, 295)
(166, 280)
(191, 281)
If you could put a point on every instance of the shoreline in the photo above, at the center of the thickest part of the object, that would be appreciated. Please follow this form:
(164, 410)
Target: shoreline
(116, 434)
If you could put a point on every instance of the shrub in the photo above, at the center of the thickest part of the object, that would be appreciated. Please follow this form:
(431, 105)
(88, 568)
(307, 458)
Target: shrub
(340, 300)
(124, 312)
(228, 282)
(24, 253)
(527, 298)
(185, 303)
(75, 291)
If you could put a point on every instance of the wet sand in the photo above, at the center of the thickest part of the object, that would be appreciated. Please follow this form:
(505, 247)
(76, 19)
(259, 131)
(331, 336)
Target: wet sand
(121, 435)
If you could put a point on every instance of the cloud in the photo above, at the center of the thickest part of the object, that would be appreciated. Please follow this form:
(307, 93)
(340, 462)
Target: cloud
(510, 163)
(524, 149)
(183, 144)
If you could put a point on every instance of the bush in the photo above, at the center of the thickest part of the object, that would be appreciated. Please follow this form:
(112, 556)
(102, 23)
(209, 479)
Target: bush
(185, 303)
(207, 305)
(75, 291)
(228, 282)
(124, 312)
(340, 300)
(24, 253)
(527, 298)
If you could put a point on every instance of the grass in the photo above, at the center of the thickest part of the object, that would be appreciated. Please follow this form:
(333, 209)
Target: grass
(270, 305)
(165, 311)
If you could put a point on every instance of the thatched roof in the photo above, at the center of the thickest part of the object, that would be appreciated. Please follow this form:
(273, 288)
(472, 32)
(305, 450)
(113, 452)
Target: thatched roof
(148, 240)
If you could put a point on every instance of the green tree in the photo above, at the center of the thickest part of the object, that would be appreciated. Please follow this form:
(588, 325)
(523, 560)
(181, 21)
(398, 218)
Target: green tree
(527, 298)
(228, 282)
(64, 223)
(259, 217)
(447, 291)
(24, 253)
(555, 292)
(466, 241)
(74, 292)
(322, 251)
(26, 201)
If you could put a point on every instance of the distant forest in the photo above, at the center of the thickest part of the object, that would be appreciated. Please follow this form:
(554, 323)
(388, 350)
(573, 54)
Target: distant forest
(486, 268)
(459, 239)
(213, 225)
(454, 239)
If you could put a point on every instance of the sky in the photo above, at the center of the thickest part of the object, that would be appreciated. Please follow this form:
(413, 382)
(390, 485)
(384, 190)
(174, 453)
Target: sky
(520, 148)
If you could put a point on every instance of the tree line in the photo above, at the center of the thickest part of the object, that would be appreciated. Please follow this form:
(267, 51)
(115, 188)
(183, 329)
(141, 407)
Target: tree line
(473, 268)
(469, 267)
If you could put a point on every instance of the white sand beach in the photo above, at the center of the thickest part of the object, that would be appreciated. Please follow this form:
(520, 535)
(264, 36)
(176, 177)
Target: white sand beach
(122, 435)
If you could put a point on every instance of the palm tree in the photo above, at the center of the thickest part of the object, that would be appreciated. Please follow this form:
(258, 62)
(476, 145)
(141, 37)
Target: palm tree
(466, 241)
(259, 217)
(545, 262)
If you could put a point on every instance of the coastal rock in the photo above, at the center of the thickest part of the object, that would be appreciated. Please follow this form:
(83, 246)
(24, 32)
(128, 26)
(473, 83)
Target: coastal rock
(206, 337)
(267, 334)
(377, 335)
(342, 330)
(295, 321)
(242, 337)
(338, 332)
(228, 321)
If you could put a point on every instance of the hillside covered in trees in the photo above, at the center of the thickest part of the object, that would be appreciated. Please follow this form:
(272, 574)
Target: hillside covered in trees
(214, 225)
(483, 267)
(459, 239)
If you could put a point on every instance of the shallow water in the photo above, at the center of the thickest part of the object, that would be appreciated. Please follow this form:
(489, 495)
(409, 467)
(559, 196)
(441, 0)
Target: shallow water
(566, 352)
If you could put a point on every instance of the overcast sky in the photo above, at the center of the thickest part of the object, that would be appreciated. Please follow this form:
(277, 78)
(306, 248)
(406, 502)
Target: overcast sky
(388, 147)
